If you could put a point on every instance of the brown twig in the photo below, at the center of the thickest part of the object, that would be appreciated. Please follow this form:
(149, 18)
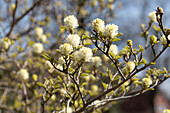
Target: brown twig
(15, 21)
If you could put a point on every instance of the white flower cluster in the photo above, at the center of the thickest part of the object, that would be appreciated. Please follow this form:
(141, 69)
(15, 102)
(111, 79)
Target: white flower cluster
(113, 49)
(66, 49)
(5, 43)
(111, 30)
(73, 40)
(48, 65)
(152, 16)
(84, 53)
(23, 73)
(61, 60)
(147, 81)
(96, 61)
(40, 35)
(98, 25)
(129, 67)
(71, 22)
(43, 38)
(166, 111)
(37, 48)
(38, 31)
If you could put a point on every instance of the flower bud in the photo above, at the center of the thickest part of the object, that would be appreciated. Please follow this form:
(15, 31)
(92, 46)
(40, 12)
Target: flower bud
(73, 40)
(96, 61)
(152, 16)
(129, 43)
(113, 49)
(66, 49)
(147, 82)
(60, 67)
(98, 25)
(43, 38)
(87, 78)
(84, 54)
(38, 31)
(48, 64)
(111, 31)
(71, 22)
(61, 60)
(37, 48)
(13, 6)
(163, 40)
(129, 67)
(105, 58)
(94, 88)
(111, 6)
(34, 77)
(5, 43)
(53, 97)
(160, 10)
(153, 40)
(23, 73)
(94, 3)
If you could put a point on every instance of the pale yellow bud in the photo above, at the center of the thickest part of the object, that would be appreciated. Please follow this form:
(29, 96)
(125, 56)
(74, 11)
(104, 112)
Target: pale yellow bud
(53, 97)
(166, 111)
(23, 73)
(13, 6)
(34, 77)
(37, 48)
(113, 49)
(147, 81)
(43, 38)
(152, 16)
(105, 58)
(38, 31)
(129, 67)
(163, 40)
(87, 78)
(5, 43)
(94, 88)
(111, 6)
(94, 3)
(96, 61)
(63, 91)
(153, 40)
